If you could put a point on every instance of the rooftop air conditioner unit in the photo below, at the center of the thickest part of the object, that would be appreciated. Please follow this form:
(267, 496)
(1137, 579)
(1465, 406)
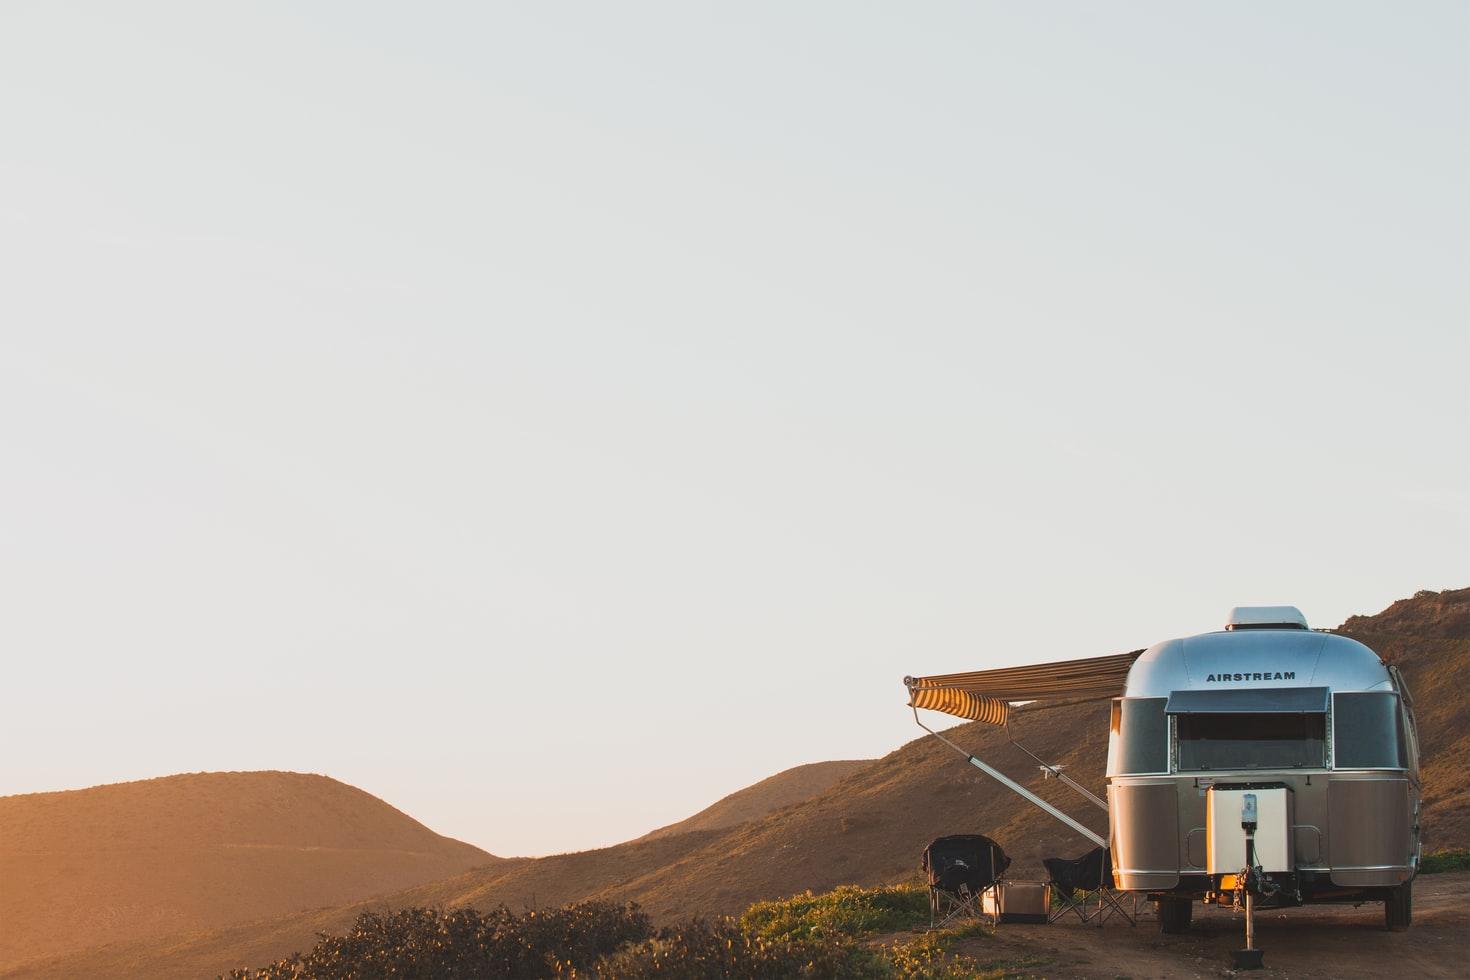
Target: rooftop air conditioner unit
(1266, 618)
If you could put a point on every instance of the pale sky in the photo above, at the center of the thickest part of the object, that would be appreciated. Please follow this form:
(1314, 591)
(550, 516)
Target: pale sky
(552, 417)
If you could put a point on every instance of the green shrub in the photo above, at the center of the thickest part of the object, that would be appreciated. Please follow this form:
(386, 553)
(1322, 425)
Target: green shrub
(461, 944)
(1453, 860)
(846, 911)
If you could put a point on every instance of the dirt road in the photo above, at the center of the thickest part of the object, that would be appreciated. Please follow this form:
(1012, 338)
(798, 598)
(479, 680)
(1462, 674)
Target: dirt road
(1317, 941)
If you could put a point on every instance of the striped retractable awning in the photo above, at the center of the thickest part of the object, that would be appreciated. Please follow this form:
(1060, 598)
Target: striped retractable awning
(986, 695)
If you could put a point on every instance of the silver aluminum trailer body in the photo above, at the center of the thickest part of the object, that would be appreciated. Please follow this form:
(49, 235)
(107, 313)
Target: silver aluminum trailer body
(1315, 717)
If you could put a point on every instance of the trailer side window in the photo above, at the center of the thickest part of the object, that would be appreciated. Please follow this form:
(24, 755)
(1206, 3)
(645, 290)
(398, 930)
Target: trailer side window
(1365, 731)
(1142, 734)
(1294, 740)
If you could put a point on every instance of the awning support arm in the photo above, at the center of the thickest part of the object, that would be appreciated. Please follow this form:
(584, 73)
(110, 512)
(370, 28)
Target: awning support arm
(1055, 771)
(1014, 786)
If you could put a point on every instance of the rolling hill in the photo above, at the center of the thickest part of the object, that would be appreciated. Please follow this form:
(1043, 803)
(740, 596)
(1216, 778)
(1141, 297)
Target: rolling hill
(756, 800)
(1428, 637)
(145, 859)
(867, 828)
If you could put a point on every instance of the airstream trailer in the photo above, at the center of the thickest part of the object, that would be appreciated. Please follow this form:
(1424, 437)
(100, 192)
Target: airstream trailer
(1314, 725)
(1267, 758)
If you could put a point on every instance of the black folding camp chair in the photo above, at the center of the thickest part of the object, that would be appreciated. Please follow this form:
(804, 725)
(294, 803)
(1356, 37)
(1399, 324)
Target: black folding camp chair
(1084, 887)
(961, 869)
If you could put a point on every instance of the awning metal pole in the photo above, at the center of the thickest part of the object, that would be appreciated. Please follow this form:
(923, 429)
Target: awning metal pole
(1014, 786)
(1055, 771)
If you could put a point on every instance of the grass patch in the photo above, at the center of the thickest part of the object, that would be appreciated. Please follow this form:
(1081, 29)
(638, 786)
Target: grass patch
(1023, 966)
(845, 911)
(1439, 861)
(932, 957)
(700, 950)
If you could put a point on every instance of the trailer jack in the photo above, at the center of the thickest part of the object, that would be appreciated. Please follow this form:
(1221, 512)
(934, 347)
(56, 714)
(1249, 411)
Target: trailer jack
(1252, 882)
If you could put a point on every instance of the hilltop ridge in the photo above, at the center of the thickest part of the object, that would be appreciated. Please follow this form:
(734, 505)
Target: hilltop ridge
(180, 853)
(785, 788)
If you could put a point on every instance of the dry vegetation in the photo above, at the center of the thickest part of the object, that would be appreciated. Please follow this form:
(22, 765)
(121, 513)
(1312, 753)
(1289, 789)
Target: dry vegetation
(810, 937)
(1428, 637)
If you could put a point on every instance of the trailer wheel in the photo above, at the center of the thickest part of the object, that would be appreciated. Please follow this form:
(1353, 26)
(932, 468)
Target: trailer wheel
(1398, 909)
(1174, 914)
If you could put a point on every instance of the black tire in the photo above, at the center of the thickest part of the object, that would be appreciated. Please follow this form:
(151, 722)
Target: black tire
(1398, 909)
(1174, 914)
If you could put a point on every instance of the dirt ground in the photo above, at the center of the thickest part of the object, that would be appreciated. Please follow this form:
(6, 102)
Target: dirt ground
(1315, 941)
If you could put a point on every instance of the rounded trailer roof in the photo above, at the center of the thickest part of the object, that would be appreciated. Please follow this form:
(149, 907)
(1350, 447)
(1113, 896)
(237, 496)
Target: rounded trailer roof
(1256, 658)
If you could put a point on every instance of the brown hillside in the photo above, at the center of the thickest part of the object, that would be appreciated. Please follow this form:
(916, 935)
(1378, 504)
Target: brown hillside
(870, 827)
(183, 853)
(772, 793)
(1428, 637)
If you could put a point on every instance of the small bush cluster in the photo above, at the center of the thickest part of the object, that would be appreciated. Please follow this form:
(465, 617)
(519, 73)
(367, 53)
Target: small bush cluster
(463, 944)
(700, 950)
(932, 957)
(1453, 860)
(926, 958)
(847, 910)
(808, 937)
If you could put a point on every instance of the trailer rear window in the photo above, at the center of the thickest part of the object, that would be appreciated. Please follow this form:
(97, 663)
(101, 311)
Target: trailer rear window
(1141, 734)
(1366, 732)
(1212, 742)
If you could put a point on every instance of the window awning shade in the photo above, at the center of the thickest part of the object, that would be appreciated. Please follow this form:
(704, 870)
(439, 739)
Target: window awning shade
(1252, 701)
(985, 695)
